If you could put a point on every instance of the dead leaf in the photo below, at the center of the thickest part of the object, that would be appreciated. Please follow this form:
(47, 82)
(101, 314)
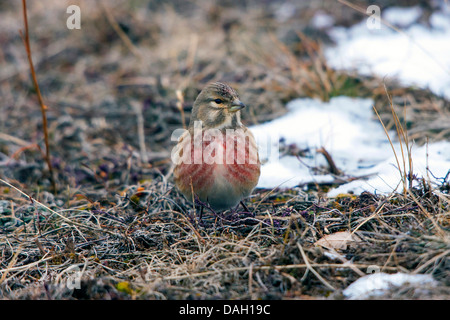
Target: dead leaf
(338, 240)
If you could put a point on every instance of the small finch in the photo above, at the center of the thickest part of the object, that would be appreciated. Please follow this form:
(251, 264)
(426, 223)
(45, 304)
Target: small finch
(217, 157)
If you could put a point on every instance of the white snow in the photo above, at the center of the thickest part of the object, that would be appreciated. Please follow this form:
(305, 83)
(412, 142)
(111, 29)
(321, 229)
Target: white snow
(417, 55)
(378, 283)
(343, 126)
(348, 130)
(402, 17)
(346, 127)
(285, 11)
(322, 20)
(386, 176)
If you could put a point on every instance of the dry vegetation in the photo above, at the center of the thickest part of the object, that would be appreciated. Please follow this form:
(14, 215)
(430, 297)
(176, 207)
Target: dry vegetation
(115, 91)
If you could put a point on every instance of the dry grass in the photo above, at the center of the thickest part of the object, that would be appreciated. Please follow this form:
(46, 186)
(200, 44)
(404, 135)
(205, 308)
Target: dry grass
(114, 98)
(148, 245)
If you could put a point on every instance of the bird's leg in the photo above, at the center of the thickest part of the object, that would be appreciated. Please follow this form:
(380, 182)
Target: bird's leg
(202, 206)
(209, 207)
(245, 207)
(201, 213)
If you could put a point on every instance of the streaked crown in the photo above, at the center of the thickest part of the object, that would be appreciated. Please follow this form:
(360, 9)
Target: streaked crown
(217, 106)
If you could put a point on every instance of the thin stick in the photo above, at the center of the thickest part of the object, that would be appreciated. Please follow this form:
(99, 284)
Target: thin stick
(401, 134)
(123, 36)
(179, 104)
(333, 168)
(26, 41)
(140, 131)
(431, 261)
(310, 268)
(27, 266)
(393, 149)
(439, 230)
(11, 264)
(15, 140)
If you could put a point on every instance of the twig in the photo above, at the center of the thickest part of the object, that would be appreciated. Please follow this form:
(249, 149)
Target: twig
(439, 230)
(431, 261)
(15, 140)
(333, 168)
(140, 131)
(11, 264)
(180, 103)
(26, 266)
(26, 41)
(393, 149)
(310, 268)
(123, 36)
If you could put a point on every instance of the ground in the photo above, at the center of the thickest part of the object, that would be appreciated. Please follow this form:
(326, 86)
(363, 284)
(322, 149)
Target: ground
(115, 91)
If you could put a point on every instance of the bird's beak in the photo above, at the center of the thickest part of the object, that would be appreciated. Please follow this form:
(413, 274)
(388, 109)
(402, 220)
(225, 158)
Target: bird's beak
(236, 106)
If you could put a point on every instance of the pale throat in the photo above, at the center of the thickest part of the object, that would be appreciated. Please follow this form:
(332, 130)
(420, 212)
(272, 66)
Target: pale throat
(232, 120)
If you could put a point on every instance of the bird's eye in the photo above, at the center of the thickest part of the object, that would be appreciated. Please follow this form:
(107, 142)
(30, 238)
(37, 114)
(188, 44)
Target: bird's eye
(218, 101)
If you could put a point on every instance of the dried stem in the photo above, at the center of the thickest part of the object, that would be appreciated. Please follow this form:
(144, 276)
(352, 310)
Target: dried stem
(26, 41)
(333, 168)
(123, 36)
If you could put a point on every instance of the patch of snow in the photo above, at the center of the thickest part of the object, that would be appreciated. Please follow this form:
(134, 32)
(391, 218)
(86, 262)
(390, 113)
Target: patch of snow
(344, 124)
(348, 130)
(416, 56)
(386, 177)
(402, 17)
(377, 284)
(285, 12)
(322, 20)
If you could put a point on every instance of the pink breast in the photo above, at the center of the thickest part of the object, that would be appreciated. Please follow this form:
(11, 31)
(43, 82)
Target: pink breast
(229, 156)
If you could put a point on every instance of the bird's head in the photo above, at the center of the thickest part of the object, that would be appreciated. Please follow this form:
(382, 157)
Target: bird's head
(217, 106)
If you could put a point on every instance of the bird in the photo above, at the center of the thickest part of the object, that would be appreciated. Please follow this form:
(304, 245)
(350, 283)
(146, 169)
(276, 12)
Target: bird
(217, 159)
